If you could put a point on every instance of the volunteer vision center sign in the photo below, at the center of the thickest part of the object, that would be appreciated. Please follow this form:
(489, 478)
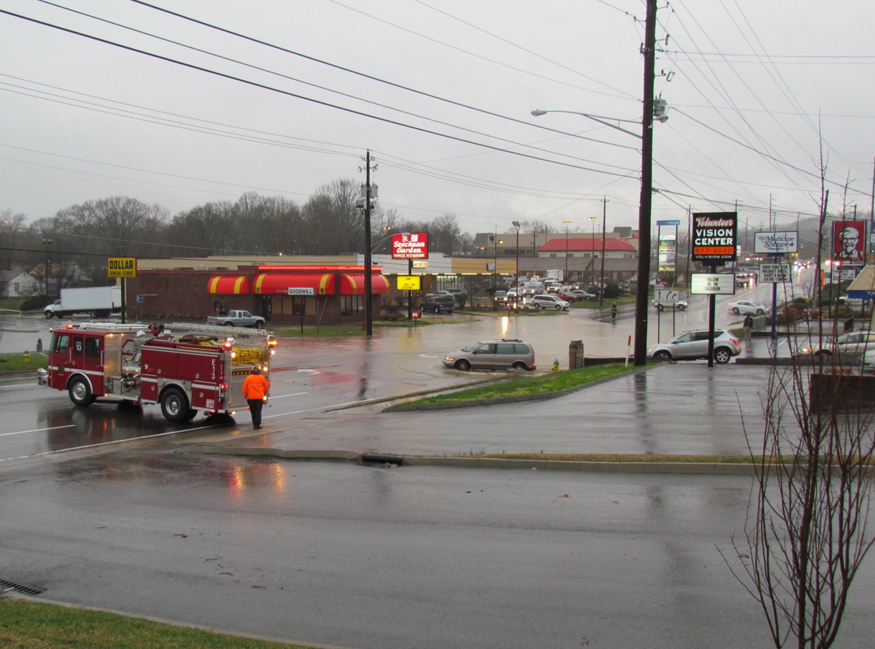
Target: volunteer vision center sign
(714, 237)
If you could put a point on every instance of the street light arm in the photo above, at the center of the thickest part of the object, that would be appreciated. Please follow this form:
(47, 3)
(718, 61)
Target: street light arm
(596, 118)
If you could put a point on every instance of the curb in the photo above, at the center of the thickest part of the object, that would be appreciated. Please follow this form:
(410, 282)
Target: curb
(404, 407)
(676, 468)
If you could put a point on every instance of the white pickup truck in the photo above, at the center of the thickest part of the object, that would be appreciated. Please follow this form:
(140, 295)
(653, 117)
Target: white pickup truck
(237, 318)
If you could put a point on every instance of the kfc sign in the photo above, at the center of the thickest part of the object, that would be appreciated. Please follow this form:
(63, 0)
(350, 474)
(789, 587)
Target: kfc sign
(848, 241)
(410, 246)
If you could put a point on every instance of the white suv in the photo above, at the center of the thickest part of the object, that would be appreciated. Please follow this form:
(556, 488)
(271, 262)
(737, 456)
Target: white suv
(851, 345)
(544, 301)
(693, 345)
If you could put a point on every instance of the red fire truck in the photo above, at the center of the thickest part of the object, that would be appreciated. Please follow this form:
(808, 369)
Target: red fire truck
(187, 368)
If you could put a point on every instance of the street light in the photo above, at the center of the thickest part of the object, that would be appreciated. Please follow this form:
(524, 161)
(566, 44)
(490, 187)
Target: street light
(47, 243)
(516, 280)
(596, 118)
(567, 223)
(592, 262)
(516, 277)
(495, 241)
(651, 109)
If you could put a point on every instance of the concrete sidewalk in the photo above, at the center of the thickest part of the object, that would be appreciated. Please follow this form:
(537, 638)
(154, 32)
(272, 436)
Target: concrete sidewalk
(668, 409)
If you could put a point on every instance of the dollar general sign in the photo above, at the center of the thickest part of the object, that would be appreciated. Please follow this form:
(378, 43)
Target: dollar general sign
(121, 266)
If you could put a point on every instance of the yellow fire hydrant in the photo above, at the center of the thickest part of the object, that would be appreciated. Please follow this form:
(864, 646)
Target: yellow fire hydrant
(26, 356)
(555, 364)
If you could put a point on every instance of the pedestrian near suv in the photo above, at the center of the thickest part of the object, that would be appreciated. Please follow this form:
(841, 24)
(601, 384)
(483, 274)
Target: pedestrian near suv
(256, 389)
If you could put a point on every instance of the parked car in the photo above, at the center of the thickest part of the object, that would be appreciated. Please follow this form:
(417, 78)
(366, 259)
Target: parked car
(680, 305)
(746, 307)
(693, 345)
(869, 362)
(459, 294)
(853, 302)
(850, 345)
(585, 294)
(531, 288)
(567, 295)
(544, 301)
(501, 354)
(437, 303)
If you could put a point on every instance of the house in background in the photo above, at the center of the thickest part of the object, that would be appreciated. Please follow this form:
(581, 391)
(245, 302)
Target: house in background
(18, 283)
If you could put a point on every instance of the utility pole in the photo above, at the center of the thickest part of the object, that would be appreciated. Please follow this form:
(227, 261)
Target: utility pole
(872, 219)
(604, 234)
(47, 243)
(369, 289)
(641, 311)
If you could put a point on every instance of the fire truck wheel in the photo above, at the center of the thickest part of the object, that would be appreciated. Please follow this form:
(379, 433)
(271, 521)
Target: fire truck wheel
(80, 392)
(174, 405)
(191, 414)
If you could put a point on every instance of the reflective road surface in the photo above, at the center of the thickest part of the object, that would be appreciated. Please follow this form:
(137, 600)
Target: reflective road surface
(393, 558)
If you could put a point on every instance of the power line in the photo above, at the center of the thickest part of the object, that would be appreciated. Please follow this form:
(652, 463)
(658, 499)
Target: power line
(312, 85)
(302, 97)
(373, 78)
(478, 56)
(512, 44)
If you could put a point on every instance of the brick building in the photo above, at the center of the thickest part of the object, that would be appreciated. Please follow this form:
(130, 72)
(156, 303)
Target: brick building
(282, 294)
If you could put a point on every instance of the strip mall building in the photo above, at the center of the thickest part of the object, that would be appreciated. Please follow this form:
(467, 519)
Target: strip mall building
(318, 289)
(309, 290)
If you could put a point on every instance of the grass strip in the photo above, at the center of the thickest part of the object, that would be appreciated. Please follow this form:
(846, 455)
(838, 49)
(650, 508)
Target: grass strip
(529, 385)
(17, 363)
(37, 625)
(620, 457)
(652, 459)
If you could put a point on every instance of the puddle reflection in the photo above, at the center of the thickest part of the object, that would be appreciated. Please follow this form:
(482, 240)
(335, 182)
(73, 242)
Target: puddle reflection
(239, 477)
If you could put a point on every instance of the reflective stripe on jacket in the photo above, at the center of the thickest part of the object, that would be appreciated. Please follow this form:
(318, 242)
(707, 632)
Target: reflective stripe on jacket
(255, 386)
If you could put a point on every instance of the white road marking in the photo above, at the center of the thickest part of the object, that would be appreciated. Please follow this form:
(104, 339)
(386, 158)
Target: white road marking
(36, 430)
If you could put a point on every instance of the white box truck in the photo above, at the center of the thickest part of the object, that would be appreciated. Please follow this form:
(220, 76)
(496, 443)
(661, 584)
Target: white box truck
(96, 301)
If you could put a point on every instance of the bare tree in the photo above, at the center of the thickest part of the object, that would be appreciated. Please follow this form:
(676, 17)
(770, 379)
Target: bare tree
(12, 231)
(117, 226)
(807, 532)
(334, 223)
(444, 234)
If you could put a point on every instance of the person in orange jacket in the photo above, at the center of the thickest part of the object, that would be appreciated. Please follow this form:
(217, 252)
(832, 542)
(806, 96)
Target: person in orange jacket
(256, 389)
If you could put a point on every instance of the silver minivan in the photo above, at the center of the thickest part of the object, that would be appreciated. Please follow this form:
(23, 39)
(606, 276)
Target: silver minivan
(549, 302)
(501, 354)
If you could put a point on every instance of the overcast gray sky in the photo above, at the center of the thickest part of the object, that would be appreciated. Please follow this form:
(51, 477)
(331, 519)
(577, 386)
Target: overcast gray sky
(751, 88)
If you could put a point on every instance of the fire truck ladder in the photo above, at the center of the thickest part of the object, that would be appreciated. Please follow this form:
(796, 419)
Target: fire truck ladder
(108, 327)
(218, 330)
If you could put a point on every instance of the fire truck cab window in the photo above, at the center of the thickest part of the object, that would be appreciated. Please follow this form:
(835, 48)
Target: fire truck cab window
(62, 344)
(92, 347)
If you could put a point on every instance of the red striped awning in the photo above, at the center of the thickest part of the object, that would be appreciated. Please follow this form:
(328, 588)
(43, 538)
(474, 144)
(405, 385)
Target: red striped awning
(286, 284)
(229, 285)
(355, 284)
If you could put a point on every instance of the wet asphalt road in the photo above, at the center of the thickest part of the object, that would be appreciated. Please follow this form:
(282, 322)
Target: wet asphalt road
(311, 375)
(374, 557)
(392, 558)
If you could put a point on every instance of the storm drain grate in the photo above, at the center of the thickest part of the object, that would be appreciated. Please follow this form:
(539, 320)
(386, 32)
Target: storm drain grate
(6, 586)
